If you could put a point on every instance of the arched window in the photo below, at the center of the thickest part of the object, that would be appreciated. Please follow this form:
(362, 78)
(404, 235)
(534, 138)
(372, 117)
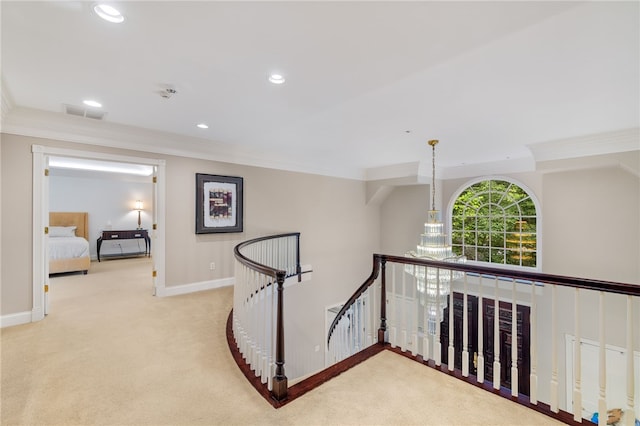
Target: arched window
(495, 221)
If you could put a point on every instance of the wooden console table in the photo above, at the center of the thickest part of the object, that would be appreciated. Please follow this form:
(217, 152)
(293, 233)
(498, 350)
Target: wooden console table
(126, 235)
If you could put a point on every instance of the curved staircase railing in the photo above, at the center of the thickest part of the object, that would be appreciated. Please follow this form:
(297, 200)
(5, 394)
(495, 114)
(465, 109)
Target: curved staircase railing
(262, 266)
(355, 323)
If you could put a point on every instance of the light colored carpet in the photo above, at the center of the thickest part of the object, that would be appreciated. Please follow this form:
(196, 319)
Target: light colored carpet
(109, 353)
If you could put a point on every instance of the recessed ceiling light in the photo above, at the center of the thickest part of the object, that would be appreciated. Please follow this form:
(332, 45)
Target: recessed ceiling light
(108, 13)
(202, 126)
(276, 78)
(92, 103)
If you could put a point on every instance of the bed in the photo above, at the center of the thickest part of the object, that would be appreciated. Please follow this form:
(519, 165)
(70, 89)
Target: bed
(68, 242)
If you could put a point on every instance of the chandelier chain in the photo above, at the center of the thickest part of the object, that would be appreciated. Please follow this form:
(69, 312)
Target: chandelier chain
(433, 144)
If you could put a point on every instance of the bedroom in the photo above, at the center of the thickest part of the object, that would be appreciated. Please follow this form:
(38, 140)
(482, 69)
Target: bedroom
(108, 193)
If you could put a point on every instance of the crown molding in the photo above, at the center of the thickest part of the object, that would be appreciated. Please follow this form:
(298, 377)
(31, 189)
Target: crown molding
(393, 171)
(491, 168)
(57, 126)
(589, 145)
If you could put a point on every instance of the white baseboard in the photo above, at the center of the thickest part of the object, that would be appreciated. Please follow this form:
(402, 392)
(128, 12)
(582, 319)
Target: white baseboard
(193, 287)
(222, 282)
(15, 319)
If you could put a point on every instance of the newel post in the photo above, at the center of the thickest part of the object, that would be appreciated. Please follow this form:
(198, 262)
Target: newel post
(280, 386)
(383, 299)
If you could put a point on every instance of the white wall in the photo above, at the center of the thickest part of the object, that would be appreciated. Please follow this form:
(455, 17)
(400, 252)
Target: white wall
(108, 198)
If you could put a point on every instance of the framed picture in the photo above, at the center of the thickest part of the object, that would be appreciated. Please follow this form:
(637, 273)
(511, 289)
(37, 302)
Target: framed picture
(218, 204)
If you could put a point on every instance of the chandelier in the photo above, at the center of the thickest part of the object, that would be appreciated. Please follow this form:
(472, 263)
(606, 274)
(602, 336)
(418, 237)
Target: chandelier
(434, 284)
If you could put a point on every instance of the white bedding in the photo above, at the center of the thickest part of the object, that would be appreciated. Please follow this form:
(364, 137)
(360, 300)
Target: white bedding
(68, 247)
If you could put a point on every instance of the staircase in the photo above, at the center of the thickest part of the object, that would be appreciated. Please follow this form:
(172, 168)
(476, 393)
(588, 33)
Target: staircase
(529, 355)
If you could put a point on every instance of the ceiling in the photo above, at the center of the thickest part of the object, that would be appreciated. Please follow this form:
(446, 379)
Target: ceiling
(367, 83)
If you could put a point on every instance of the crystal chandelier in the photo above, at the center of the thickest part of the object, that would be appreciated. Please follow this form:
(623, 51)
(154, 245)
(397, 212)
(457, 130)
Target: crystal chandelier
(434, 284)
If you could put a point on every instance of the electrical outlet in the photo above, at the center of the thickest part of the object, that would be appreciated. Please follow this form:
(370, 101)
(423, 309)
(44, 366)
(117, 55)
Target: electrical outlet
(212, 265)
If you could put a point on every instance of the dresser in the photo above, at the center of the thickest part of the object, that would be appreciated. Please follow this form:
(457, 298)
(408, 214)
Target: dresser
(126, 235)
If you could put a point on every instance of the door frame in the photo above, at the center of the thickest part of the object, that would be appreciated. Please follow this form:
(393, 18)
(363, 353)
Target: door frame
(40, 213)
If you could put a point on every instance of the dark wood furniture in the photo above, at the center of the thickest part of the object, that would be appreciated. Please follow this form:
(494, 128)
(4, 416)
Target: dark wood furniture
(126, 235)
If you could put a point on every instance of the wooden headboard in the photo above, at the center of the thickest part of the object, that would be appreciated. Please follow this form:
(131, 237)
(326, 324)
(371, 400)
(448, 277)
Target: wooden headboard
(78, 219)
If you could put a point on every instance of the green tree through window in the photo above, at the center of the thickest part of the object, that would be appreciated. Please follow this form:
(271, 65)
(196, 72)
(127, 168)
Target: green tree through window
(495, 221)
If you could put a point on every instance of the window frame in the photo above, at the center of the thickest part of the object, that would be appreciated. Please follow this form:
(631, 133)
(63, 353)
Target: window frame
(532, 196)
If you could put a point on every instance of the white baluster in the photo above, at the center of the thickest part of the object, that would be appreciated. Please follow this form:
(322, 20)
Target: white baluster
(272, 331)
(465, 332)
(533, 377)
(349, 331)
(343, 339)
(630, 412)
(259, 310)
(480, 363)
(376, 308)
(514, 340)
(496, 336)
(602, 364)
(437, 346)
(357, 345)
(553, 404)
(392, 314)
(425, 334)
(366, 318)
(425, 331)
(403, 314)
(414, 319)
(451, 349)
(374, 312)
(577, 362)
(373, 334)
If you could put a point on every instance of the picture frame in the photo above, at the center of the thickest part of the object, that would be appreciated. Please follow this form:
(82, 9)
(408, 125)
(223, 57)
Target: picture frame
(219, 204)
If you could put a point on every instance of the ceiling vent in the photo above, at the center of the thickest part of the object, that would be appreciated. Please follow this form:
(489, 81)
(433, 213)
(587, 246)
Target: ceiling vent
(84, 112)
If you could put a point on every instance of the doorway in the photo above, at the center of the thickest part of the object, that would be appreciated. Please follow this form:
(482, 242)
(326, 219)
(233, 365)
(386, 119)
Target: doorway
(41, 156)
(472, 331)
(522, 339)
(507, 340)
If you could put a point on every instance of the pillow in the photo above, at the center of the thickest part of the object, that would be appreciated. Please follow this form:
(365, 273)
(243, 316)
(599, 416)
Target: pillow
(62, 231)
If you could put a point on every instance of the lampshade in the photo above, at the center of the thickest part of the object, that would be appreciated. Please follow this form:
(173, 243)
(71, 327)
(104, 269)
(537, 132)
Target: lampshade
(139, 205)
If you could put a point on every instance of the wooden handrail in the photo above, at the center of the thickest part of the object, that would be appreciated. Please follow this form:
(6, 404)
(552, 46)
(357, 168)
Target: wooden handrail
(379, 260)
(536, 277)
(511, 275)
(264, 269)
(354, 297)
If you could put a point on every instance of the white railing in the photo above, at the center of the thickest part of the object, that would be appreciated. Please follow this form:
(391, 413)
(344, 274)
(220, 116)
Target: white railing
(357, 328)
(261, 267)
(529, 352)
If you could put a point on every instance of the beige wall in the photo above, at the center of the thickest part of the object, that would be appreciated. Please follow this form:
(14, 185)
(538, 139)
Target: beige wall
(403, 214)
(590, 212)
(16, 227)
(590, 222)
(339, 231)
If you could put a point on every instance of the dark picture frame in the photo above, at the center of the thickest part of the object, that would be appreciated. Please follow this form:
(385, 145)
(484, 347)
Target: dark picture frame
(219, 204)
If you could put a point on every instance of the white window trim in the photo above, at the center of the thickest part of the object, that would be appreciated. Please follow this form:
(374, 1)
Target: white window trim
(536, 203)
